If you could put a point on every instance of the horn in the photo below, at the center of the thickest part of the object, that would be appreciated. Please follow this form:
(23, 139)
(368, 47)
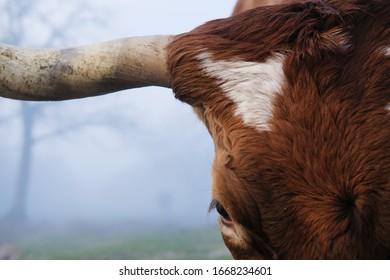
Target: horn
(60, 74)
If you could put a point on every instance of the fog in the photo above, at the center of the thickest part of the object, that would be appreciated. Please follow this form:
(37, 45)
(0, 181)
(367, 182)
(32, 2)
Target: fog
(137, 155)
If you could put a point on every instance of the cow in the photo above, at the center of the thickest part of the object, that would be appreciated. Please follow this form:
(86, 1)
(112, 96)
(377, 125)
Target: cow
(296, 98)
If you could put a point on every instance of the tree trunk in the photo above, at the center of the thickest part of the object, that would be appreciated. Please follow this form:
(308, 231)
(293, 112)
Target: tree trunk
(18, 212)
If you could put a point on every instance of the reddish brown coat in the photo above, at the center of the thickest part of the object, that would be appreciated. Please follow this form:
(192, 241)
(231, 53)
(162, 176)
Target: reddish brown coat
(318, 184)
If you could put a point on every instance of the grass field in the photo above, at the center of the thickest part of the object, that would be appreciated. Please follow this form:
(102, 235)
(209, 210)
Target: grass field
(203, 243)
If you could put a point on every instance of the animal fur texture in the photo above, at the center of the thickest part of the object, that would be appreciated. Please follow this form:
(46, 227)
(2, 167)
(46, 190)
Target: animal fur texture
(306, 174)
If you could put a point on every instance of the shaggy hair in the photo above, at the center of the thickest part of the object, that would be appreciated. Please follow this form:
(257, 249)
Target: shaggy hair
(317, 184)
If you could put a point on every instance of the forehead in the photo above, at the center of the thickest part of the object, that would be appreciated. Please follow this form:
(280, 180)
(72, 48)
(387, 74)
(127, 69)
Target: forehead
(287, 99)
(301, 70)
(251, 86)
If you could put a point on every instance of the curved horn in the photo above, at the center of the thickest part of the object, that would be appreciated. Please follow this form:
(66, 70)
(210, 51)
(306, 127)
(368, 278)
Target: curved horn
(59, 74)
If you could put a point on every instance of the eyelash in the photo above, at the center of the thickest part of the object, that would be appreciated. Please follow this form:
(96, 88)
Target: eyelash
(221, 211)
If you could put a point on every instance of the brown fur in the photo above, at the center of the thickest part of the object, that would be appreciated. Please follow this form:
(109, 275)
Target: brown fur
(317, 186)
(244, 5)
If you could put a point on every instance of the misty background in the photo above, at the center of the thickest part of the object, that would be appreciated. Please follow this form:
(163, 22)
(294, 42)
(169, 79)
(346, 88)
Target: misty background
(138, 157)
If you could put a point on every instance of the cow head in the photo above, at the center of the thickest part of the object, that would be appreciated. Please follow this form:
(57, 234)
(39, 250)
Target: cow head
(296, 98)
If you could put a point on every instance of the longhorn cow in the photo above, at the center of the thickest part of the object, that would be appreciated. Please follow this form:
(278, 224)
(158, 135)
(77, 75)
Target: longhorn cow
(297, 100)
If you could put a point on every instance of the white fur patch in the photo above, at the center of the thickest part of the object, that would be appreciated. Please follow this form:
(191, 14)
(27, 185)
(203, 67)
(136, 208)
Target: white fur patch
(253, 86)
(387, 51)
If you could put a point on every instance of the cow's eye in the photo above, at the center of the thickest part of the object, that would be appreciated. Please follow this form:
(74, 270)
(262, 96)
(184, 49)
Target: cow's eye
(220, 209)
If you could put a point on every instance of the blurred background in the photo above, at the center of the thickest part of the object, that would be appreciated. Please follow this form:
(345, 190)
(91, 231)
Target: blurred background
(125, 175)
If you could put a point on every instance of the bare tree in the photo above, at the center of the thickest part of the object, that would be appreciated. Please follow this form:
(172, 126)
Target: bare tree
(13, 14)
